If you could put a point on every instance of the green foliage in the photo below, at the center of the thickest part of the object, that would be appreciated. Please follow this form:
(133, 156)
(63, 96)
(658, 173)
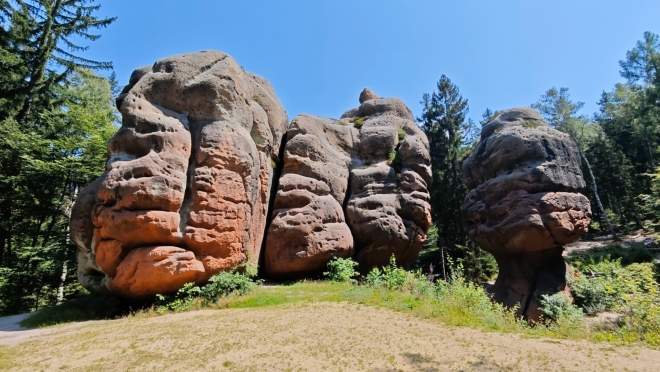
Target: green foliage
(392, 277)
(479, 266)
(43, 169)
(56, 117)
(641, 318)
(358, 122)
(626, 154)
(451, 139)
(341, 270)
(391, 157)
(401, 134)
(559, 306)
(650, 203)
(604, 286)
(635, 253)
(237, 282)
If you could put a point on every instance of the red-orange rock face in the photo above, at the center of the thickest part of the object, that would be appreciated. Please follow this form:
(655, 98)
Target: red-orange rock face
(187, 185)
(525, 205)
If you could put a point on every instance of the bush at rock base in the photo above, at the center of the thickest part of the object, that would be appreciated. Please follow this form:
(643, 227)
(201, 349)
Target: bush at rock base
(341, 270)
(239, 281)
(559, 306)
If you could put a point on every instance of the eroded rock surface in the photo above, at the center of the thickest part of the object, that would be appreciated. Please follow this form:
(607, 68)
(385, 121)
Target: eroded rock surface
(187, 185)
(524, 205)
(192, 170)
(357, 186)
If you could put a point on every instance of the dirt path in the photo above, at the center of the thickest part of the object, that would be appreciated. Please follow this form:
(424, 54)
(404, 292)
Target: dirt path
(307, 337)
(11, 333)
(602, 241)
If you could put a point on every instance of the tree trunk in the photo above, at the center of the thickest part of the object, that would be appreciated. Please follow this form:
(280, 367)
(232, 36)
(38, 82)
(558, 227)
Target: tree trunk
(44, 47)
(442, 258)
(648, 147)
(67, 212)
(593, 184)
(60, 288)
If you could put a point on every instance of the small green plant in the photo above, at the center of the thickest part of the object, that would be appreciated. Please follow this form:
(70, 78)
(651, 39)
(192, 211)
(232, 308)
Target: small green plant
(273, 164)
(391, 157)
(341, 270)
(255, 98)
(358, 122)
(391, 276)
(530, 123)
(402, 135)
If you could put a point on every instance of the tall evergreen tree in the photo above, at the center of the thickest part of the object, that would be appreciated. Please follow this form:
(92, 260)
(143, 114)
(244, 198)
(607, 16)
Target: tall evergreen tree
(443, 120)
(49, 120)
(57, 159)
(52, 57)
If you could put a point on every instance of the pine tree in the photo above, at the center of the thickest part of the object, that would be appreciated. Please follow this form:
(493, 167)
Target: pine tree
(49, 122)
(48, 51)
(451, 139)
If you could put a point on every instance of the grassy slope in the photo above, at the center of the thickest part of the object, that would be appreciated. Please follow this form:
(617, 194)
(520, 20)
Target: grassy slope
(460, 305)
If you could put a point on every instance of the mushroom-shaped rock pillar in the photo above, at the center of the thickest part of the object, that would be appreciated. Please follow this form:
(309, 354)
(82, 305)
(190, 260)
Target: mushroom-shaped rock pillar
(524, 205)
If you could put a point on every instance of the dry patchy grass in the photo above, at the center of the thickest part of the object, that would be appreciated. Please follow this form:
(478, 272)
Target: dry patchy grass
(306, 336)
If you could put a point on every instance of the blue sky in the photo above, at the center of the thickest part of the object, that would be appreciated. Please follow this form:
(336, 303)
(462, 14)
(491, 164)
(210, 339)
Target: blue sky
(319, 55)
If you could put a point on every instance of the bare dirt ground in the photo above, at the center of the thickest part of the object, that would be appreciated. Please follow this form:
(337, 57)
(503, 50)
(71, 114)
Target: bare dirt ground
(306, 337)
(602, 241)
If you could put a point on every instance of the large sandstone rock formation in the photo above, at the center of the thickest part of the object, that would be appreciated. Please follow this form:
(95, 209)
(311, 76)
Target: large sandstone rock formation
(525, 205)
(367, 173)
(188, 179)
(193, 167)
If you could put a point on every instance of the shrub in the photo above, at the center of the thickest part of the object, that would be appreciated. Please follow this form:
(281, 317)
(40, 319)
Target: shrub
(558, 306)
(358, 122)
(236, 282)
(603, 286)
(641, 318)
(341, 270)
(392, 277)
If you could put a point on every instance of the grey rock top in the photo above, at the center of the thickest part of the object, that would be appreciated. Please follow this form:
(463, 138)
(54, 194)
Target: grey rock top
(519, 150)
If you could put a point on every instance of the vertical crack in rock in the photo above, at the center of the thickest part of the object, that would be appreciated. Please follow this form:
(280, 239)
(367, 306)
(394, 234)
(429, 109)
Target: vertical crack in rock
(357, 186)
(524, 205)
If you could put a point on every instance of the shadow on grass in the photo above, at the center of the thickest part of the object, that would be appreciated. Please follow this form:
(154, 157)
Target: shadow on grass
(84, 308)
